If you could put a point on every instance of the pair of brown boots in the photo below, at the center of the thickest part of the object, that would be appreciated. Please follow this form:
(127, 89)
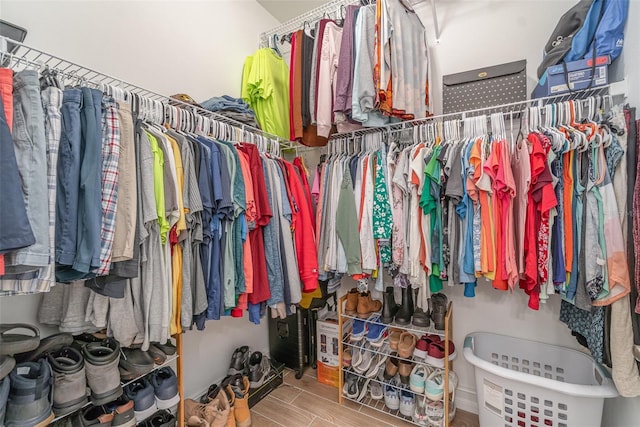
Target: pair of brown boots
(229, 408)
(361, 303)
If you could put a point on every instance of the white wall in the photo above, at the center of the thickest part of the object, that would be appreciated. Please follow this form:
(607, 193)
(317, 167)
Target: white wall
(194, 47)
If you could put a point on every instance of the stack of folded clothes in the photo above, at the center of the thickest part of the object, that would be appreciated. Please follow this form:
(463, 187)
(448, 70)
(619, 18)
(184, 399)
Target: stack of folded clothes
(234, 108)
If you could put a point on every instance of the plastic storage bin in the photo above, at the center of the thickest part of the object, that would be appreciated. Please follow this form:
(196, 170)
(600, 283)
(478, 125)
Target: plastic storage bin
(525, 383)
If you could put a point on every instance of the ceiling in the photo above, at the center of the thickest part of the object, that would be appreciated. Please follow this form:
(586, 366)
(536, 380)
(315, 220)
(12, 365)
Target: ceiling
(283, 10)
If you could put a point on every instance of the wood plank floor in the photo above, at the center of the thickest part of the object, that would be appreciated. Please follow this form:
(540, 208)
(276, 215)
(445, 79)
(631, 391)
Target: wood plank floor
(306, 402)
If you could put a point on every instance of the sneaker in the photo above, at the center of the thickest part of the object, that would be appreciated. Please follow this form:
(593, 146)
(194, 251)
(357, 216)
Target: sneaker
(376, 363)
(422, 346)
(407, 403)
(259, 369)
(94, 416)
(134, 363)
(376, 331)
(350, 388)
(376, 390)
(417, 378)
(165, 387)
(30, 395)
(162, 418)
(123, 414)
(435, 355)
(419, 415)
(4, 395)
(239, 360)
(363, 387)
(358, 330)
(434, 385)
(158, 356)
(366, 359)
(144, 399)
(392, 396)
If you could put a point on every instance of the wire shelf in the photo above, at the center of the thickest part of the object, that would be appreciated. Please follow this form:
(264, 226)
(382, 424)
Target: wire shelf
(409, 328)
(514, 109)
(26, 56)
(332, 9)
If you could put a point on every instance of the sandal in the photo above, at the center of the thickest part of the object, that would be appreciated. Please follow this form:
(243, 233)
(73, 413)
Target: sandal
(14, 343)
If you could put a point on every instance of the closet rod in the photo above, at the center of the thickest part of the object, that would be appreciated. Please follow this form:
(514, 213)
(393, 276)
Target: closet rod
(332, 7)
(575, 96)
(30, 56)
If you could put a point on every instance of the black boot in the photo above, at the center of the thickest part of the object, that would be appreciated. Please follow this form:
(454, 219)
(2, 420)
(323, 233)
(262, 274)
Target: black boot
(403, 316)
(389, 306)
(420, 318)
(439, 310)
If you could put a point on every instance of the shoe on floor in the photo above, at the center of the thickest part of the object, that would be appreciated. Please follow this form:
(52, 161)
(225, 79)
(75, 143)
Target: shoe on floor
(259, 369)
(165, 387)
(239, 360)
(211, 393)
(163, 418)
(198, 414)
(242, 413)
(144, 399)
(29, 403)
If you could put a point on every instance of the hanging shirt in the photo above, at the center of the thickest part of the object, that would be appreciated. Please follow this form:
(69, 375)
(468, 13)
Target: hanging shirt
(265, 87)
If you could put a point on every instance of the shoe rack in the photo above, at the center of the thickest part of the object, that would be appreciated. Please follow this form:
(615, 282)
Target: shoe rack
(379, 405)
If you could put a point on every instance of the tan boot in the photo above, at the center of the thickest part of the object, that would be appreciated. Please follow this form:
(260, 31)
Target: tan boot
(366, 305)
(242, 413)
(195, 421)
(220, 407)
(198, 410)
(352, 302)
(232, 400)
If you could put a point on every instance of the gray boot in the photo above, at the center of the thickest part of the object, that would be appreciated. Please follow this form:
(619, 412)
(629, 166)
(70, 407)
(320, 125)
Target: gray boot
(70, 382)
(30, 395)
(101, 364)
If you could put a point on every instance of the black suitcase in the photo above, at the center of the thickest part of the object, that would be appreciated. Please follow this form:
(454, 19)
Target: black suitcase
(289, 340)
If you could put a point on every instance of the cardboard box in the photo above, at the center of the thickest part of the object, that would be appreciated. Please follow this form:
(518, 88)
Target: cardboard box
(328, 342)
(579, 74)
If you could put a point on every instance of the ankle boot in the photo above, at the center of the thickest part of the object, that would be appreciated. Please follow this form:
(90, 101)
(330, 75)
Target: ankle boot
(69, 380)
(101, 364)
(221, 406)
(232, 401)
(403, 316)
(352, 302)
(30, 395)
(367, 305)
(389, 306)
(242, 414)
(420, 318)
(438, 310)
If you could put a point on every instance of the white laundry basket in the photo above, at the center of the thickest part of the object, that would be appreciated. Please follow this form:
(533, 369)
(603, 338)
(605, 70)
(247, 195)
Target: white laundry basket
(524, 383)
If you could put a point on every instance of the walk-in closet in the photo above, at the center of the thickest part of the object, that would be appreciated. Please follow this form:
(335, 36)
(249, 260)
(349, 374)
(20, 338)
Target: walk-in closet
(298, 213)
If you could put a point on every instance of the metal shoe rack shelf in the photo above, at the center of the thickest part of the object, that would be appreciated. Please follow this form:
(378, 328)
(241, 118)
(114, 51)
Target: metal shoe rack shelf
(379, 405)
